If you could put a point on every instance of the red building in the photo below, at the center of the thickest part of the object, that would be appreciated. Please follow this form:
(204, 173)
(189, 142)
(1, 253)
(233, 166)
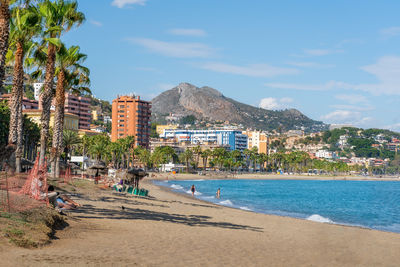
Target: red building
(26, 102)
(79, 105)
(131, 117)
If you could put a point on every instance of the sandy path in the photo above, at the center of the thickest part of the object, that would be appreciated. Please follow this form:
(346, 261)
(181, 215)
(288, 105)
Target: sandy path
(172, 230)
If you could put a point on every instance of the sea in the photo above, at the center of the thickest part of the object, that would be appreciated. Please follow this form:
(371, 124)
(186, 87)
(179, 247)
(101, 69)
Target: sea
(367, 204)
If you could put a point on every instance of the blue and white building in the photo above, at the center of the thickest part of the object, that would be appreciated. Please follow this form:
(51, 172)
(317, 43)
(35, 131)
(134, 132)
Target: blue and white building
(234, 138)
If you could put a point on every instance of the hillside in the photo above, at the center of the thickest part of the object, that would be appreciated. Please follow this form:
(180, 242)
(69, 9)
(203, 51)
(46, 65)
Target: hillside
(206, 103)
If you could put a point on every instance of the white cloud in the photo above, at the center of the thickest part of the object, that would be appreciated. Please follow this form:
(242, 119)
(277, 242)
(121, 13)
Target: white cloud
(175, 49)
(271, 103)
(122, 3)
(390, 32)
(95, 23)
(353, 107)
(254, 70)
(386, 70)
(353, 99)
(188, 32)
(349, 117)
(322, 52)
(309, 87)
(310, 65)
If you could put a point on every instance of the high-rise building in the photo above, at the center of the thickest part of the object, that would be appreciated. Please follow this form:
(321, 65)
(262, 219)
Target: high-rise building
(259, 140)
(37, 89)
(233, 138)
(131, 117)
(79, 105)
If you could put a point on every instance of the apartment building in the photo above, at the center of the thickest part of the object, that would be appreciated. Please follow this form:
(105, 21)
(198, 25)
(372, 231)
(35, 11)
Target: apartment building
(26, 102)
(257, 139)
(131, 117)
(234, 138)
(80, 106)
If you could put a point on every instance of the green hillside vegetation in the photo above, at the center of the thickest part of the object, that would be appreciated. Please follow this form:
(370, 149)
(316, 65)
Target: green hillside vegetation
(360, 142)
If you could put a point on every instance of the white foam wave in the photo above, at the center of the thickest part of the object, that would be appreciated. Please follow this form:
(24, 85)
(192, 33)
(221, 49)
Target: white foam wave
(196, 193)
(226, 203)
(319, 218)
(176, 186)
(244, 208)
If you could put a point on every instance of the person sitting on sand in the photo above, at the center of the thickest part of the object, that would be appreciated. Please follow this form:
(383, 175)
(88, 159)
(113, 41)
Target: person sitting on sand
(218, 194)
(193, 189)
(61, 201)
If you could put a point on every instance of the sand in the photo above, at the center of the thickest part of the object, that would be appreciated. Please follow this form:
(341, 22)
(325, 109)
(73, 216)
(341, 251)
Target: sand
(168, 229)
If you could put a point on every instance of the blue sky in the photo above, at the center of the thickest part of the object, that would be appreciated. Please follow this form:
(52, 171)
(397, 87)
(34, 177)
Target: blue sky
(335, 61)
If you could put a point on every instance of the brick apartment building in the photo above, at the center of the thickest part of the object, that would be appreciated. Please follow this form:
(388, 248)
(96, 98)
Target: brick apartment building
(131, 117)
(26, 103)
(80, 106)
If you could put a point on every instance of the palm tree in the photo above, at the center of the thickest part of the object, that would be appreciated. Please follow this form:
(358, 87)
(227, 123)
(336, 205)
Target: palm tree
(70, 140)
(58, 16)
(205, 155)
(24, 25)
(70, 76)
(4, 34)
(187, 157)
(197, 152)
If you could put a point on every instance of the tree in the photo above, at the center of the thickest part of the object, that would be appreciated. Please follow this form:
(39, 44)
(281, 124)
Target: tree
(70, 139)
(187, 157)
(72, 76)
(24, 25)
(197, 152)
(205, 155)
(4, 35)
(58, 17)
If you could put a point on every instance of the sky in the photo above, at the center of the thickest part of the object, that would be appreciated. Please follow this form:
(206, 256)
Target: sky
(335, 61)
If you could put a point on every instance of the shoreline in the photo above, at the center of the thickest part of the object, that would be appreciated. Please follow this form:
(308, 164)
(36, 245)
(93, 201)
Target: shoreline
(187, 196)
(223, 176)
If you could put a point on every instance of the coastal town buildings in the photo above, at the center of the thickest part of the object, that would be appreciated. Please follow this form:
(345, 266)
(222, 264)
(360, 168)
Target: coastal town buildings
(257, 139)
(71, 121)
(131, 117)
(37, 88)
(160, 128)
(80, 106)
(26, 102)
(234, 138)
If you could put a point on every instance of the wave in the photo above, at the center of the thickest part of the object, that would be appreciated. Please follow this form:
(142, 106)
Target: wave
(245, 208)
(319, 218)
(175, 186)
(196, 193)
(226, 203)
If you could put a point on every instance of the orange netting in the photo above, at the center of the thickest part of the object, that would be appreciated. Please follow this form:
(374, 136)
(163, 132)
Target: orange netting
(19, 192)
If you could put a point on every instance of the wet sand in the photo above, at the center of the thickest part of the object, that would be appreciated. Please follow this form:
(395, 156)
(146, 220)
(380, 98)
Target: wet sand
(169, 229)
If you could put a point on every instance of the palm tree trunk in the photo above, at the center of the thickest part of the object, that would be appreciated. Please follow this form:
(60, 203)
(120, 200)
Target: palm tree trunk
(46, 98)
(58, 124)
(4, 33)
(15, 134)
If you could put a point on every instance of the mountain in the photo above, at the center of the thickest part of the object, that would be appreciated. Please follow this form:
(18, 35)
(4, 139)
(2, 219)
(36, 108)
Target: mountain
(206, 103)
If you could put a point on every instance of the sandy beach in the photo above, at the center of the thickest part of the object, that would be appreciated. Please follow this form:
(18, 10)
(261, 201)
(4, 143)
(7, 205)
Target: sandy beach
(168, 229)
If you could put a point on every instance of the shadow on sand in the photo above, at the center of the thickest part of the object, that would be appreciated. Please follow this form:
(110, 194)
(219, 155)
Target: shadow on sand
(125, 213)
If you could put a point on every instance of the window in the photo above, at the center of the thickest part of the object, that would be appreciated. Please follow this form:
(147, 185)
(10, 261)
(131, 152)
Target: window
(121, 111)
(121, 106)
(121, 116)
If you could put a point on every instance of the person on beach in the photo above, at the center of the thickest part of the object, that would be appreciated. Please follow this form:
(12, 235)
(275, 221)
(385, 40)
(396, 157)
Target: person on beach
(193, 189)
(218, 194)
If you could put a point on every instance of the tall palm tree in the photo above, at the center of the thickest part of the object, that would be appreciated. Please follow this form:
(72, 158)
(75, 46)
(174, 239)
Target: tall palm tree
(187, 157)
(4, 34)
(205, 155)
(58, 17)
(70, 140)
(24, 25)
(72, 76)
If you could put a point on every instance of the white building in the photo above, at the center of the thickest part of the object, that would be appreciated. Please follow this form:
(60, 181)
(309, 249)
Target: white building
(324, 154)
(234, 138)
(37, 89)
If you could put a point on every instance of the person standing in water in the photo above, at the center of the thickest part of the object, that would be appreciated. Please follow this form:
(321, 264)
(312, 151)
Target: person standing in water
(218, 194)
(193, 189)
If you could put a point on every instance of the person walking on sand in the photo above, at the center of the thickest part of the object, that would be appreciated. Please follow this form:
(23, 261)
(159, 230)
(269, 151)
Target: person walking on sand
(193, 189)
(218, 194)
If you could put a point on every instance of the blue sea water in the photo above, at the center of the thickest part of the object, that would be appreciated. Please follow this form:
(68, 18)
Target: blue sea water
(369, 204)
